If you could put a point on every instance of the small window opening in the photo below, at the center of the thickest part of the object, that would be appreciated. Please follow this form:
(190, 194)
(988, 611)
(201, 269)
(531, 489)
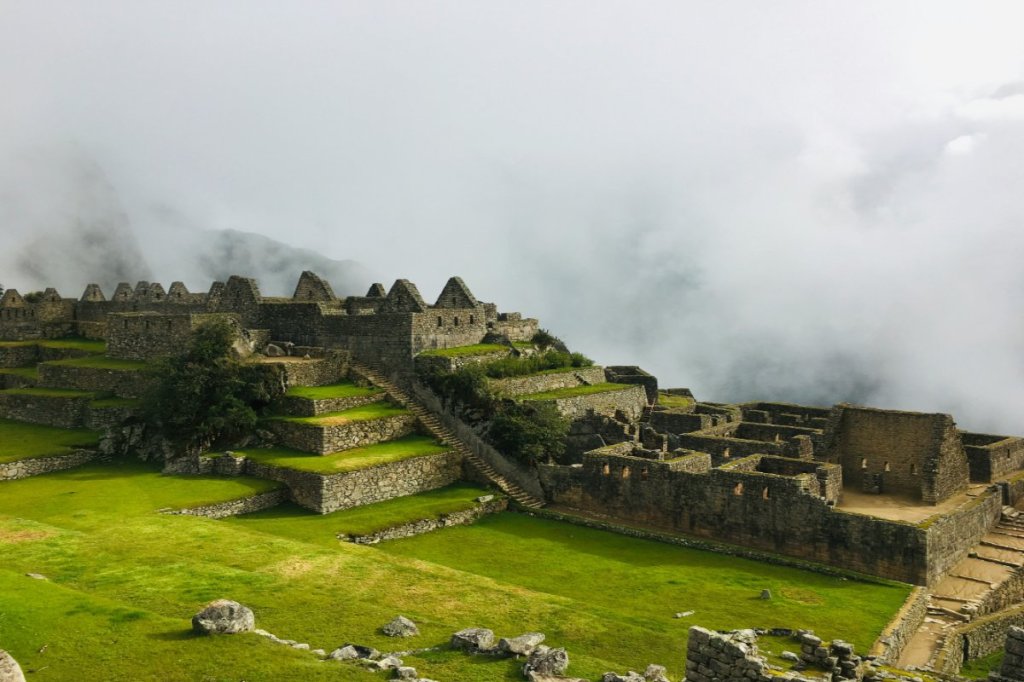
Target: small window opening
(864, 463)
(625, 472)
(764, 494)
(126, 324)
(605, 470)
(440, 321)
(913, 470)
(725, 453)
(644, 474)
(738, 490)
(471, 319)
(887, 467)
(456, 322)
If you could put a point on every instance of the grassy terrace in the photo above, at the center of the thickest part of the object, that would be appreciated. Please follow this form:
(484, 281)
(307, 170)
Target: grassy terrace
(103, 362)
(344, 389)
(49, 392)
(294, 522)
(19, 440)
(117, 571)
(363, 413)
(114, 402)
(26, 372)
(574, 391)
(87, 345)
(349, 460)
(669, 400)
(463, 351)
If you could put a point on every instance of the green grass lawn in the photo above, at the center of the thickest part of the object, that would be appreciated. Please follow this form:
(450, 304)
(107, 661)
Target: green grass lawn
(50, 392)
(573, 391)
(87, 345)
(377, 410)
(349, 460)
(20, 440)
(124, 582)
(292, 521)
(980, 667)
(344, 389)
(103, 362)
(26, 372)
(464, 351)
(669, 400)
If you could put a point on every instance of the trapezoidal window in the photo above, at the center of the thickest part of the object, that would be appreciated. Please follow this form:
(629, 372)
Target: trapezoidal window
(764, 494)
(440, 321)
(471, 319)
(625, 472)
(725, 453)
(887, 468)
(606, 470)
(456, 322)
(644, 474)
(738, 490)
(913, 470)
(864, 463)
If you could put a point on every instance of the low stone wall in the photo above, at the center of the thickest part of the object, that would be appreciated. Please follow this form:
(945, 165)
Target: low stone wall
(536, 383)
(122, 383)
(327, 493)
(317, 372)
(23, 468)
(65, 413)
(18, 356)
(439, 363)
(408, 530)
(671, 421)
(310, 407)
(327, 439)
(976, 639)
(101, 418)
(246, 505)
(951, 536)
(15, 381)
(630, 401)
(894, 638)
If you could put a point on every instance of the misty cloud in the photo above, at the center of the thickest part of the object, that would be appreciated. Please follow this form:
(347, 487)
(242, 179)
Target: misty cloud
(804, 201)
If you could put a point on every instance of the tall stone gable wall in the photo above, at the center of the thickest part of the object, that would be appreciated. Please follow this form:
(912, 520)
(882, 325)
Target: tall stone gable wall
(915, 454)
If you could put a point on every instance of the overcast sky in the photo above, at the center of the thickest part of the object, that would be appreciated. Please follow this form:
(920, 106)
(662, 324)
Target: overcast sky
(814, 201)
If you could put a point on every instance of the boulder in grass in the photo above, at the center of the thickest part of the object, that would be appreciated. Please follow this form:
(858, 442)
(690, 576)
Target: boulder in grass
(523, 645)
(656, 673)
(10, 671)
(400, 627)
(224, 617)
(473, 640)
(547, 661)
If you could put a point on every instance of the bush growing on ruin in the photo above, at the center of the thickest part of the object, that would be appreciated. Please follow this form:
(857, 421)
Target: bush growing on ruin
(529, 432)
(205, 397)
(545, 339)
(541, 362)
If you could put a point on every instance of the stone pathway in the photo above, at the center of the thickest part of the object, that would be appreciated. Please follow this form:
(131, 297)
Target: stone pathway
(433, 424)
(954, 600)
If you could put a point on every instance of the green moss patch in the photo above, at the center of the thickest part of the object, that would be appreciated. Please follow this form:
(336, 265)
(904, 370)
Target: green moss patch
(50, 392)
(340, 390)
(292, 521)
(71, 343)
(677, 401)
(349, 460)
(20, 440)
(574, 391)
(379, 410)
(31, 373)
(114, 402)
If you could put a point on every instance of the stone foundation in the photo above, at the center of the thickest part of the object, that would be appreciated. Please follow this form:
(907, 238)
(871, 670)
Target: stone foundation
(245, 505)
(324, 440)
(408, 530)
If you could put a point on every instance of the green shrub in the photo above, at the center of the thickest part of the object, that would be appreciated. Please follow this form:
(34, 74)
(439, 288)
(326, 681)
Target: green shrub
(529, 432)
(546, 339)
(207, 398)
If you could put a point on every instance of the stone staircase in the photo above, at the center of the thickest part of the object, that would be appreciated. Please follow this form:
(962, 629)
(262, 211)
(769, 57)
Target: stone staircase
(446, 435)
(956, 598)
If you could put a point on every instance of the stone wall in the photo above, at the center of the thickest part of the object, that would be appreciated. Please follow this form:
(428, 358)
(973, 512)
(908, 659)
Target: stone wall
(310, 407)
(536, 383)
(439, 363)
(630, 374)
(122, 383)
(911, 453)
(65, 413)
(328, 493)
(18, 356)
(148, 335)
(246, 505)
(992, 457)
(953, 534)
(722, 448)
(23, 468)
(313, 372)
(977, 639)
(732, 506)
(408, 530)
(327, 439)
(897, 634)
(514, 326)
(672, 421)
(787, 414)
(630, 401)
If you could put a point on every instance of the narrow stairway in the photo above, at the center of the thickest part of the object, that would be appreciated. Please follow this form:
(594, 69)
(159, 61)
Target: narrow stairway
(955, 599)
(447, 436)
